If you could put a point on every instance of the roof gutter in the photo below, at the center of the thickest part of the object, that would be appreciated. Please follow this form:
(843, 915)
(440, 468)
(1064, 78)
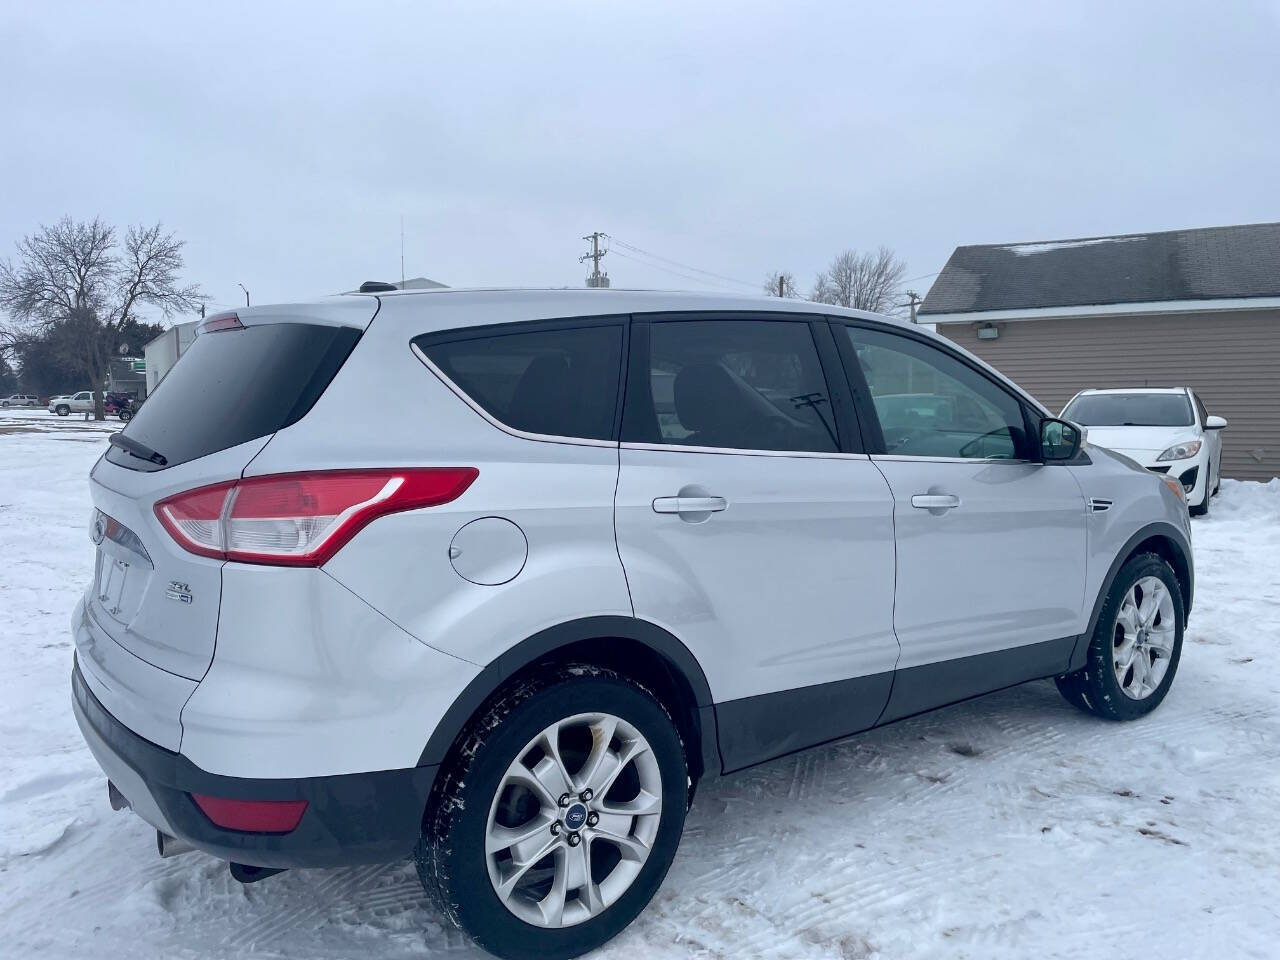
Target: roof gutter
(1221, 305)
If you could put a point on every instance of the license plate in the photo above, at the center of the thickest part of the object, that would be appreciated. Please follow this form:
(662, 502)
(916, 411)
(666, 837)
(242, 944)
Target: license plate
(111, 576)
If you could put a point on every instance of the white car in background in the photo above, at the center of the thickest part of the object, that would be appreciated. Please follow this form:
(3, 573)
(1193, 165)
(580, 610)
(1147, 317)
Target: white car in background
(1165, 429)
(20, 400)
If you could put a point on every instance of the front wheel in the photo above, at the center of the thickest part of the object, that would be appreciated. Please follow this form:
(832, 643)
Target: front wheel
(1136, 645)
(556, 822)
(62, 410)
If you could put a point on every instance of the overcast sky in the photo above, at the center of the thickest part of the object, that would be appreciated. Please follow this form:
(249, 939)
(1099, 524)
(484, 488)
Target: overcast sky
(285, 142)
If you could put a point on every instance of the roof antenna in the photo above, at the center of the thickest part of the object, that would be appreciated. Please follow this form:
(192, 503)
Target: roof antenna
(402, 251)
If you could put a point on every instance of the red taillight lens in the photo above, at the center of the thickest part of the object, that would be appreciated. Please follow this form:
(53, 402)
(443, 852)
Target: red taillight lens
(300, 519)
(194, 519)
(252, 816)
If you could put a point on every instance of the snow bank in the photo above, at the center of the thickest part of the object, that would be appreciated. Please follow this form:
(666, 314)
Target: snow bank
(1248, 501)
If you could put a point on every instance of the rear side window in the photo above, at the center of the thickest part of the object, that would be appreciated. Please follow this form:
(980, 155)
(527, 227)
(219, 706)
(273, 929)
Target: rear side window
(739, 384)
(560, 382)
(232, 386)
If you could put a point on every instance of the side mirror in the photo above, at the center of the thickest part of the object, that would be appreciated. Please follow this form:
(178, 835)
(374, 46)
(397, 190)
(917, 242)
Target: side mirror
(1059, 440)
(1215, 423)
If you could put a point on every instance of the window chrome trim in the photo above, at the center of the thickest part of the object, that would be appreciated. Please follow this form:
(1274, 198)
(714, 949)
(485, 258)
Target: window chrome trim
(495, 422)
(907, 457)
(742, 452)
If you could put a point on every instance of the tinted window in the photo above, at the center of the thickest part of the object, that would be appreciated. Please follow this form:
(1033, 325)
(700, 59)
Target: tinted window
(563, 383)
(234, 385)
(932, 404)
(745, 384)
(1130, 410)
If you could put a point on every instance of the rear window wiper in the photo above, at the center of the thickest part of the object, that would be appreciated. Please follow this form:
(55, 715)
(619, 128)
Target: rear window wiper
(136, 449)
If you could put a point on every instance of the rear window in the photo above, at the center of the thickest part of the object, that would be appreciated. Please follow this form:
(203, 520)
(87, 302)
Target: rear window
(232, 386)
(1130, 410)
(558, 382)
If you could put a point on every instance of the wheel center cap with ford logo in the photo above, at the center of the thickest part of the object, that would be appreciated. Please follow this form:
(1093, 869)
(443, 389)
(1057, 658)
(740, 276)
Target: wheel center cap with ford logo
(575, 817)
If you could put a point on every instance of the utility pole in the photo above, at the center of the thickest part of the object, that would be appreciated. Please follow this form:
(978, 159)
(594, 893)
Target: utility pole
(913, 300)
(595, 278)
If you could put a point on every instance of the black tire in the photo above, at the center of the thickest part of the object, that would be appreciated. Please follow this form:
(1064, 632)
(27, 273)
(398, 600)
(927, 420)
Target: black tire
(450, 856)
(62, 410)
(125, 415)
(1095, 688)
(1203, 509)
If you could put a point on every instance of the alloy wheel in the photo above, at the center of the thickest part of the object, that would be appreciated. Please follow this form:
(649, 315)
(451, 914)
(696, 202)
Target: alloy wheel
(573, 820)
(1143, 638)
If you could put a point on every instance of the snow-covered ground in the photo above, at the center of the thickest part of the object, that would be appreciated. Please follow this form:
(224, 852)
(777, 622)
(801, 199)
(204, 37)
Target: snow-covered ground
(1011, 826)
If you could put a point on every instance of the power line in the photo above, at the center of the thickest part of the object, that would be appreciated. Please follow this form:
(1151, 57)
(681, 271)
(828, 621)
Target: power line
(658, 266)
(924, 276)
(676, 263)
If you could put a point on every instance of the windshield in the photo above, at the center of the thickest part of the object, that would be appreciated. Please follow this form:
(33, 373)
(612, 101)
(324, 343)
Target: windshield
(1130, 410)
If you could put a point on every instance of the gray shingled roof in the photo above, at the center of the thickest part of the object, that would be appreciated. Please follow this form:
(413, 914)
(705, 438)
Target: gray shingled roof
(1205, 264)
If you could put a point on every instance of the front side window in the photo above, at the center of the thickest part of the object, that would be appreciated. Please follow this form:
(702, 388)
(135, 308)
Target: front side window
(931, 404)
(556, 382)
(737, 384)
(1130, 410)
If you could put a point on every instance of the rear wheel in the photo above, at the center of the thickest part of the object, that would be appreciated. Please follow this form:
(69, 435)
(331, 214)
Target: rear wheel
(1134, 652)
(559, 817)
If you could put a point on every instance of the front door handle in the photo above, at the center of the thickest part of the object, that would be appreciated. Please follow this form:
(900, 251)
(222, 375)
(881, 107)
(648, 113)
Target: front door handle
(689, 504)
(935, 501)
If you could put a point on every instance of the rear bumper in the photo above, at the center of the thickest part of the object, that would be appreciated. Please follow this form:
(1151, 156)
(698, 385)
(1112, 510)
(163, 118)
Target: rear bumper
(354, 818)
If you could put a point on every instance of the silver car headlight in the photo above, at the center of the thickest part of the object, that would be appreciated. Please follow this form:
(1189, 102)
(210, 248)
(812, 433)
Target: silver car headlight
(1180, 451)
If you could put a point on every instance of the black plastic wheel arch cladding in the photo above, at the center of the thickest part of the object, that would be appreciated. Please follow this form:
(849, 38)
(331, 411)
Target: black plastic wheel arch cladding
(1183, 568)
(576, 639)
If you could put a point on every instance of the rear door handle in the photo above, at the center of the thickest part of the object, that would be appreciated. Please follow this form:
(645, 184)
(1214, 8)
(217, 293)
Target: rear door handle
(689, 504)
(935, 501)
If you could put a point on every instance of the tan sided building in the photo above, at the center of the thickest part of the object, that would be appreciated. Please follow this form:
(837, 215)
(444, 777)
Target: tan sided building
(1197, 308)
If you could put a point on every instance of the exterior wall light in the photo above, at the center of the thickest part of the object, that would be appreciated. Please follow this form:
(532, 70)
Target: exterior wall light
(988, 332)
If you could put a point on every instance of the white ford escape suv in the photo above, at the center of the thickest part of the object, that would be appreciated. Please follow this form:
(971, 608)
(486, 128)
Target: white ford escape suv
(492, 579)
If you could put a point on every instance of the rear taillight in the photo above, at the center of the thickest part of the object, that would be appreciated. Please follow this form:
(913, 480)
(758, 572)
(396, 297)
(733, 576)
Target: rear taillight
(300, 519)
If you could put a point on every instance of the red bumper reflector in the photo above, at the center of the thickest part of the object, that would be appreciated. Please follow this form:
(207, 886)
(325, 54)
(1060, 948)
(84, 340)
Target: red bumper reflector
(252, 816)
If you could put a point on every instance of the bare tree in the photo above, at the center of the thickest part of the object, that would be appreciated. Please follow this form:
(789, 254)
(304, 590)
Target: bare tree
(781, 283)
(864, 281)
(74, 276)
